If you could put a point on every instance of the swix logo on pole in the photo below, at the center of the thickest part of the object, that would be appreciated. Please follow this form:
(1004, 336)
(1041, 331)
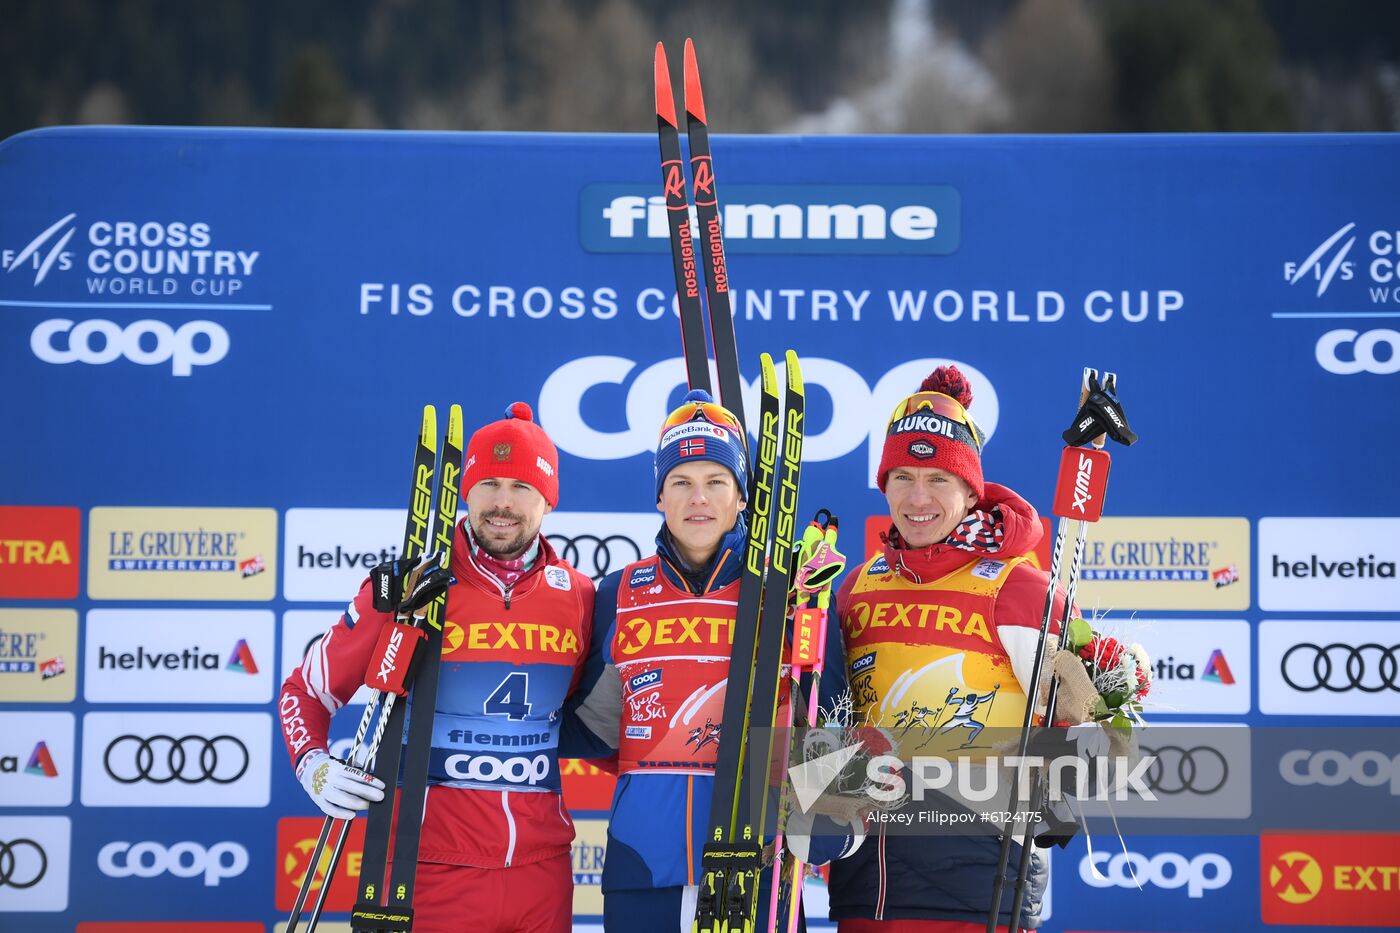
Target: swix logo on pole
(1083, 479)
(30, 256)
(395, 657)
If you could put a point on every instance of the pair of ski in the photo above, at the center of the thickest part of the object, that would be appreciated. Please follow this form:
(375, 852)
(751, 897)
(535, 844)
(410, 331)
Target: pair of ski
(728, 895)
(408, 654)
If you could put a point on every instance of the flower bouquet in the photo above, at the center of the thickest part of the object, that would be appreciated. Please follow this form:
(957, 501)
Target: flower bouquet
(1101, 678)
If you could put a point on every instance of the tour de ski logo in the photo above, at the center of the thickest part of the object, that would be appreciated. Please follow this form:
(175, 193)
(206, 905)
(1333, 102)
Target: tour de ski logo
(644, 697)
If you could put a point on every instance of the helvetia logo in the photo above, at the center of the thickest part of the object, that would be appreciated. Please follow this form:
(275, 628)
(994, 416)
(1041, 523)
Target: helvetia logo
(1217, 669)
(41, 762)
(241, 660)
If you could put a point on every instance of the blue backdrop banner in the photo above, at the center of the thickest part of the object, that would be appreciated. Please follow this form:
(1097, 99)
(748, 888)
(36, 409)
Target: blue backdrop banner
(216, 345)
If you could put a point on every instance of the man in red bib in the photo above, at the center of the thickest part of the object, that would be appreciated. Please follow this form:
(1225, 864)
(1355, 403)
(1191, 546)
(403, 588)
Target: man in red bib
(941, 630)
(496, 837)
(654, 684)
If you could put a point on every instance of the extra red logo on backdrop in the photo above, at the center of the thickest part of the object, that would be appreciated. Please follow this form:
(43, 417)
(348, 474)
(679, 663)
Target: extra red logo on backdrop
(1329, 879)
(39, 552)
(296, 838)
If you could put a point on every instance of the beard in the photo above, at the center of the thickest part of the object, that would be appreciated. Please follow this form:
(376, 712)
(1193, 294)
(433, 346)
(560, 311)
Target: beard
(491, 540)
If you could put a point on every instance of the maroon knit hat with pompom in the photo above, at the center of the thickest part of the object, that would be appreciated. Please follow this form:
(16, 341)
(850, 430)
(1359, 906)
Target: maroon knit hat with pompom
(931, 428)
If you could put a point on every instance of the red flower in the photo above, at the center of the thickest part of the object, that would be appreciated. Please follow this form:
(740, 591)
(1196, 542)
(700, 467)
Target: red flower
(1143, 683)
(1102, 651)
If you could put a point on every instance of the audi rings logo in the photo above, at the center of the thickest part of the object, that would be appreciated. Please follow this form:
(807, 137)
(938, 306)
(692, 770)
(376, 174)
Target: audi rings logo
(1177, 770)
(190, 759)
(1370, 668)
(596, 556)
(23, 863)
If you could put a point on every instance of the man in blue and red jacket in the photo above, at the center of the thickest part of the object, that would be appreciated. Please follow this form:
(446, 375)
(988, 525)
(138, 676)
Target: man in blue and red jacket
(653, 687)
(496, 837)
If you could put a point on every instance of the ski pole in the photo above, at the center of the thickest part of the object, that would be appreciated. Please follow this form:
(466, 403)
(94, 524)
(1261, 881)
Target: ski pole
(1090, 508)
(820, 564)
(1079, 494)
(308, 879)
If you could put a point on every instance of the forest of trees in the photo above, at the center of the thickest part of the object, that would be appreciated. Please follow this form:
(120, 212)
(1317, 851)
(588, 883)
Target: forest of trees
(771, 66)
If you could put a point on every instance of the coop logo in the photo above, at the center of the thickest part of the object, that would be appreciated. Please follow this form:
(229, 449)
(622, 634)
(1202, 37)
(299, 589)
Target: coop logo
(1325, 263)
(491, 769)
(647, 680)
(44, 253)
(217, 863)
(1209, 871)
(145, 342)
(561, 409)
(807, 219)
(1347, 352)
(1331, 768)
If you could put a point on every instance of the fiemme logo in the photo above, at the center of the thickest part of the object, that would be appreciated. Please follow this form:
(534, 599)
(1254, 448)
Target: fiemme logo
(806, 219)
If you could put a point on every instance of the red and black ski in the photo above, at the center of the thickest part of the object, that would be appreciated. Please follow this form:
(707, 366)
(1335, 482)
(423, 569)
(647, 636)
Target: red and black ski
(683, 259)
(702, 173)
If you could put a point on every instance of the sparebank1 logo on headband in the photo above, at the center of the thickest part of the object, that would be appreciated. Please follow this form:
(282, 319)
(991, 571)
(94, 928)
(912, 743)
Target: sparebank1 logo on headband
(788, 219)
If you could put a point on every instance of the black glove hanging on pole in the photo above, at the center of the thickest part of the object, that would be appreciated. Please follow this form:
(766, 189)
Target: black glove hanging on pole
(1101, 413)
(410, 584)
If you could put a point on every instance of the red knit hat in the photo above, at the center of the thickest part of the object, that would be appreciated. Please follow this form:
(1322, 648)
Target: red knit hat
(517, 448)
(932, 428)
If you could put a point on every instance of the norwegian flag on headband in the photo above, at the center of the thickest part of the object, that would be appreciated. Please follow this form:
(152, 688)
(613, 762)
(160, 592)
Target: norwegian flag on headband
(693, 447)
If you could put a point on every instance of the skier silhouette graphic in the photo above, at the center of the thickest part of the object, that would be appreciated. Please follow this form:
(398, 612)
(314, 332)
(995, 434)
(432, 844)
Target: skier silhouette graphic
(703, 735)
(967, 706)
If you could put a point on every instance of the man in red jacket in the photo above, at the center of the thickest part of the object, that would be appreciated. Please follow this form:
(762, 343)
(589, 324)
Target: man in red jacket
(941, 629)
(496, 837)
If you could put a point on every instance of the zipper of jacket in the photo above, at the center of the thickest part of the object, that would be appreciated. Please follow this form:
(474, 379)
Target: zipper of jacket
(510, 827)
(505, 591)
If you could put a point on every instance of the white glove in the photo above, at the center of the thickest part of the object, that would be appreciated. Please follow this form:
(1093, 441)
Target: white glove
(337, 788)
